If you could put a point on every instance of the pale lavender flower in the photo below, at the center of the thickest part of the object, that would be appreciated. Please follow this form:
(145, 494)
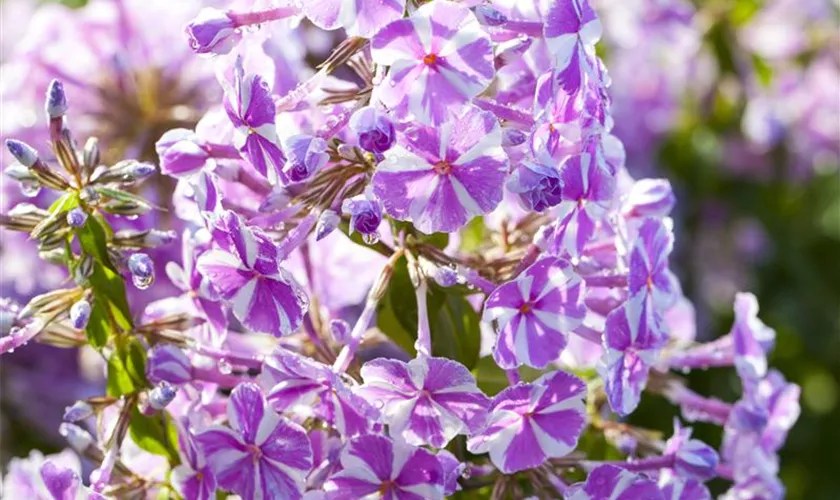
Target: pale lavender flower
(365, 214)
(261, 454)
(571, 30)
(425, 401)
(362, 18)
(193, 479)
(530, 423)
(751, 338)
(305, 155)
(374, 129)
(440, 178)
(439, 59)
(692, 458)
(377, 466)
(535, 313)
(649, 273)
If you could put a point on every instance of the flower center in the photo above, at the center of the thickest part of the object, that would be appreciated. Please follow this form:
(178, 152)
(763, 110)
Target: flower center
(525, 308)
(255, 451)
(430, 59)
(386, 487)
(443, 167)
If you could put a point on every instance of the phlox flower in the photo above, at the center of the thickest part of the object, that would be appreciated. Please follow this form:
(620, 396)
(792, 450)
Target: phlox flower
(611, 482)
(358, 17)
(571, 31)
(649, 273)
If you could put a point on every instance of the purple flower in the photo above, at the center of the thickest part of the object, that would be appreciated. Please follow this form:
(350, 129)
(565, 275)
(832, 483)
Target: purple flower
(15, 332)
(374, 129)
(425, 401)
(452, 471)
(328, 221)
(377, 467)
(692, 458)
(262, 295)
(261, 455)
(649, 198)
(305, 155)
(212, 31)
(358, 17)
(678, 488)
(588, 189)
(632, 339)
(440, 178)
(571, 30)
(439, 59)
(614, 483)
(751, 338)
(180, 153)
(40, 477)
(365, 214)
(300, 384)
(251, 108)
(538, 187)
(649, 273)
(530, 423)
(193, 479)
(168, 363)
(535, 313)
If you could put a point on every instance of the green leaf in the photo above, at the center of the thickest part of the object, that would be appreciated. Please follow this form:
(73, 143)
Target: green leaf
(135, 362)
(98, 328)
(453, 322)
(119, 380)
(156, 434)
(65, 203)
(473, 235)
(492, 379)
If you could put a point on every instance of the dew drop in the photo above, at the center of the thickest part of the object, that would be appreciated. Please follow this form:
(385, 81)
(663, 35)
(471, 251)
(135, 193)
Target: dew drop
(30, 189)
(379, 404)
(142, 283)
(371, 239)
(224, 367)
(392, 82)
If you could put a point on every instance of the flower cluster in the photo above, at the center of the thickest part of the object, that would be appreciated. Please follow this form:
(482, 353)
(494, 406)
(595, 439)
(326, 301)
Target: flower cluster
(415, 269)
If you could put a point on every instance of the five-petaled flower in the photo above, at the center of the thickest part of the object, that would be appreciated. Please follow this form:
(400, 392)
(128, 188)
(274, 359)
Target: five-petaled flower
(535, 313)
(529, 423)
(440, 178)
(261, 455)
(425, 401)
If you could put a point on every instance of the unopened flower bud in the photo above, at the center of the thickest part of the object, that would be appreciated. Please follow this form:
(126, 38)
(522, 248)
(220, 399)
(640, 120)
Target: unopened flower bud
(56, 102)
(127, 208)
(24, 153)
(212, 32)
(488, 16)
(142, 270)
(167, 363)
(91, 155)
(305, 155)
(79, 411)
(125, 172)
(538, 187)
(80, 314)
(46, 176)
(84, 270)
(162, 395)
(20, 173)
(327, 222)
(365, 214)
(340, 331)
(446, 276)
(374, 128)
(277, 199)
(78, 439)
(76, 217)
(649, 198)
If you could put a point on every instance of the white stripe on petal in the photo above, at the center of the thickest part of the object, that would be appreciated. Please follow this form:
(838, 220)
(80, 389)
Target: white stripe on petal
(470, 205)
(242, 300)
(520, 342)
(399, 159)
(267, 425)
(489, 145)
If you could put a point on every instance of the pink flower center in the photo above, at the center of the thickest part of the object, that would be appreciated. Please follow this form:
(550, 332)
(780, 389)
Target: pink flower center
(525, 308)
(254, 451)
(443, 167)
(386, 487)
(430, 59)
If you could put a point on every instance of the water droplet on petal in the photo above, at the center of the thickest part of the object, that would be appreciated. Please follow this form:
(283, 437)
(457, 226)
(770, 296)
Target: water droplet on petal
(379, 404)
(141, 282)
(224, 367)
(30, 189)
(371, 239)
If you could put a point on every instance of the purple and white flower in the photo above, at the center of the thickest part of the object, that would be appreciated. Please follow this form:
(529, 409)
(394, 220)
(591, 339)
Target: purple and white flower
(261, 455)
(440, 58)
(262, 295)
(303, 386)
(571, 31)
(425, 401)
(611, 482)
(378, 467)
(440, 178)
(649, 273)
(632, 339)
(530, 423)
(535, 313)
(362, 18)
